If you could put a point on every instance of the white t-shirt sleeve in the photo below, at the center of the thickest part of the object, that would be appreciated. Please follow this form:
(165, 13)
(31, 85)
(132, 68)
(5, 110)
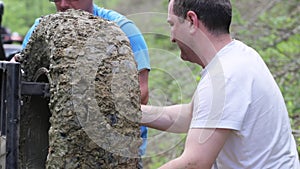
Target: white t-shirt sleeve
(220, 101)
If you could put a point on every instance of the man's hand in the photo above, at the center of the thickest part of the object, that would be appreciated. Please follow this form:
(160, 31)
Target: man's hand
(16, 58)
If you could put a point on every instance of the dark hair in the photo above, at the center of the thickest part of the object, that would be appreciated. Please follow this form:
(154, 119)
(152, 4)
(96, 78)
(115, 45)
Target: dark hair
(214, 14)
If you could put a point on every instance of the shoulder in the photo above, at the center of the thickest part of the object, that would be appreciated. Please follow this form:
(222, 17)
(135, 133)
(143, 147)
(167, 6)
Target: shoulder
(107, 14)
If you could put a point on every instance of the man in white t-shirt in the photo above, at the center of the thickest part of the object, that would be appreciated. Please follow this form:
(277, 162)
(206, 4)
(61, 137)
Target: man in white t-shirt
(237, 118)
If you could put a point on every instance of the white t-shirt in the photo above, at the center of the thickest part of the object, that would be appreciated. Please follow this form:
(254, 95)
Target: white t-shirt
(238, 92)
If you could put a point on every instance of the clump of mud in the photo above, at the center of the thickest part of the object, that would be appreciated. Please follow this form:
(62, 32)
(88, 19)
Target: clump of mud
(95, 97)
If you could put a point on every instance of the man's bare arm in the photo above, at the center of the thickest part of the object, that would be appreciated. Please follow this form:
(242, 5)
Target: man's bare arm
(143, 80)
(201, 149)
(174, 119)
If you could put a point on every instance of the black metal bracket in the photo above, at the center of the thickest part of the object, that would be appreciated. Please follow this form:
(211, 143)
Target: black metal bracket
(11, 88)
(35, 89)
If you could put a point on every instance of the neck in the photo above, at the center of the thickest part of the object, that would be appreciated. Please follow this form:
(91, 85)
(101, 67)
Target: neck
(221, 41)
(211, 46)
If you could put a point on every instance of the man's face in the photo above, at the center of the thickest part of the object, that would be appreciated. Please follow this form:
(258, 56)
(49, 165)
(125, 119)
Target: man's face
(63, 5)
(180, 34)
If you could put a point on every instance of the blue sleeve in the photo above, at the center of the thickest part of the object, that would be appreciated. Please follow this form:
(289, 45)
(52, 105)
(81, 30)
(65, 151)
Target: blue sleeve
(28, 35)
(137, 42)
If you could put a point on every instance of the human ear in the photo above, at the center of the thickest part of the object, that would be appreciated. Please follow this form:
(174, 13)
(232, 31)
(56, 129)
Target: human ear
(193, 19)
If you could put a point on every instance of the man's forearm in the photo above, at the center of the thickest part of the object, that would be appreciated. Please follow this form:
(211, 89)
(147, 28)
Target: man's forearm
(179, 163)
(143, 80)
(174, 164)
(174, 119)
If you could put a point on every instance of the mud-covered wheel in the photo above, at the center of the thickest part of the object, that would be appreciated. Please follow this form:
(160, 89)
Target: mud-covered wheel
(95, 98)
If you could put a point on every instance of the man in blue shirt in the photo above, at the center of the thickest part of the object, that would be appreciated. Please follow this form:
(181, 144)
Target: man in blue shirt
(134, 35)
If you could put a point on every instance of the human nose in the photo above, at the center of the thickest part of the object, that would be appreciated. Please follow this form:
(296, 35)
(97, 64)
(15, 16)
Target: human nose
(64, 5)
(172, 39)
(64, 2)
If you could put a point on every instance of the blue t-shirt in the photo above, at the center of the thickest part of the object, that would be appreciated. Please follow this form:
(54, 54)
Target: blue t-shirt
(137, 42)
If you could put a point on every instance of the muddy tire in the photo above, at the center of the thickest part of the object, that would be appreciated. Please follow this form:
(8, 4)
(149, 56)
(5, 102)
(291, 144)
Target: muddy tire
(95, 99)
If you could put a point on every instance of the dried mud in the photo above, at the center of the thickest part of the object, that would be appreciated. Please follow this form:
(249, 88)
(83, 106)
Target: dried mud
(95, 97)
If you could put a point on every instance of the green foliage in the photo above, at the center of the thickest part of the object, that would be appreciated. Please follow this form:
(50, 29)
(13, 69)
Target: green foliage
(107, 4)
(160, 41)
(279, 46)
(171, 79)
(20, 15)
